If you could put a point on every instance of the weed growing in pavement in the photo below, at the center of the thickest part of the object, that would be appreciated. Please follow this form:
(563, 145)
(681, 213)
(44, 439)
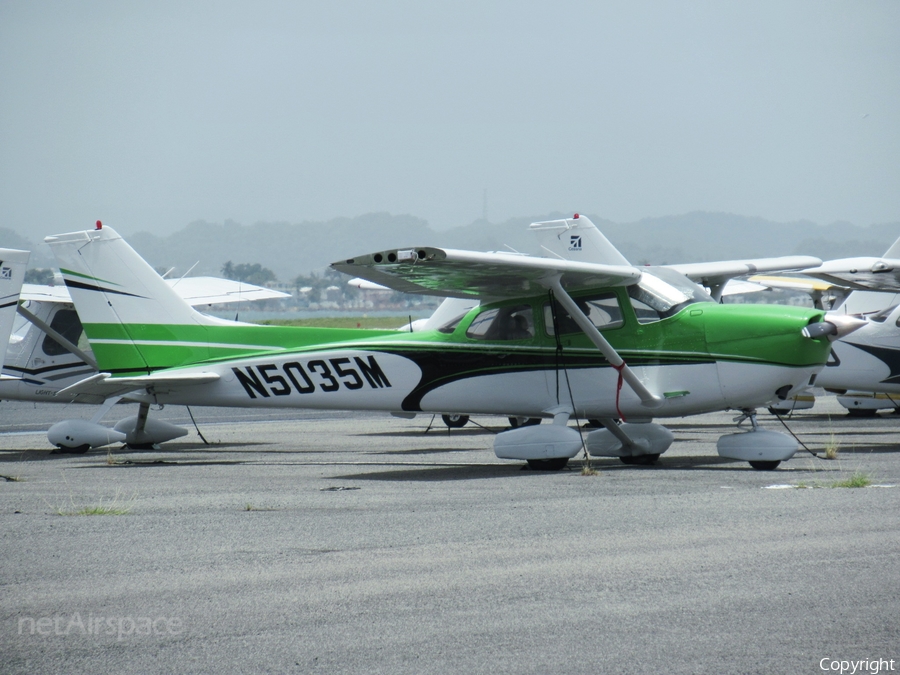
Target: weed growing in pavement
(857, 480)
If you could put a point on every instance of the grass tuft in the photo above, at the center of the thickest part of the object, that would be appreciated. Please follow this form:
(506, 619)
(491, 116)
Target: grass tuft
(119, 505)
(859, 479)
(832, 447)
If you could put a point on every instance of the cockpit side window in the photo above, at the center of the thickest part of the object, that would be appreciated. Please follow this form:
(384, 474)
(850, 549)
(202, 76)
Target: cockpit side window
(881, 316)
(66, 323)
(602, 309)
(644, 312)
(515, 322)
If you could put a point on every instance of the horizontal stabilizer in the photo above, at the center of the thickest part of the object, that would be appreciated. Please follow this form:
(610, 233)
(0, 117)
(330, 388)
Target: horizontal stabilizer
(719, 272)
(196, 291)
(105, 385)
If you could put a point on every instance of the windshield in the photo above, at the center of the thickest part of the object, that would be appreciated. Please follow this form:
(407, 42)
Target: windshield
(663, 292)
(881, 316)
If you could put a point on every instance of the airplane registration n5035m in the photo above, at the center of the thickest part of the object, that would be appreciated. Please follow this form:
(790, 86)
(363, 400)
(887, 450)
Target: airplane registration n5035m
(551, 338)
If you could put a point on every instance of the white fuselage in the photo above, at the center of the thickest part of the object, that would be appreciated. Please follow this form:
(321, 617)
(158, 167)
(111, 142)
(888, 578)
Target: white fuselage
(867, 360)
(355, 379)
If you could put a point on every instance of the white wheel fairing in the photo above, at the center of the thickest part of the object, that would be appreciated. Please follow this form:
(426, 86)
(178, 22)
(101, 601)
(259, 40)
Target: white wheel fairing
(760, 445)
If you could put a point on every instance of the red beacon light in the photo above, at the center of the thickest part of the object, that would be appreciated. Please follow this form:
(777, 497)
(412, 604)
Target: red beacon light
(99, 225)
(575, 217)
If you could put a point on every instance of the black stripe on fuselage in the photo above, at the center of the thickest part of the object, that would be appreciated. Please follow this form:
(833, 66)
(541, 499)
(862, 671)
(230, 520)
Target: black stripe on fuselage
(441, 366)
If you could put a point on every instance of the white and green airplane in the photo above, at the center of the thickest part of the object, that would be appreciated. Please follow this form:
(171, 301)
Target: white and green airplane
(550, 338)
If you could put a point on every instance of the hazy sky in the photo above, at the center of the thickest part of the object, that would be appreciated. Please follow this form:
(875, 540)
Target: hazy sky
(152, 115)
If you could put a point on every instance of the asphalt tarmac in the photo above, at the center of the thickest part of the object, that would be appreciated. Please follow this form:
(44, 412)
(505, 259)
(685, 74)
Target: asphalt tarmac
(308, 542)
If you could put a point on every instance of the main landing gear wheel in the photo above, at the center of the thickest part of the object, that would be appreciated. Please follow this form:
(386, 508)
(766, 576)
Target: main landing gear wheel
(641, 460)
(455, 421)
(555, 464)
(65, 450)
(862, 412)
(761, 465)
(516, 422)
(140, 446)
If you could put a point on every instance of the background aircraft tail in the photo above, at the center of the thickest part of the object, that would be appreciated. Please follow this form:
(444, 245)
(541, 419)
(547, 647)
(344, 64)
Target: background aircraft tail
(12, 274)
(893, 251)
(133, 319)
(577, 238)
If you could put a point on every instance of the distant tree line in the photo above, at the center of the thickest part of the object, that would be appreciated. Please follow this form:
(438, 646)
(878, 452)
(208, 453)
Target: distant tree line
(249, 273)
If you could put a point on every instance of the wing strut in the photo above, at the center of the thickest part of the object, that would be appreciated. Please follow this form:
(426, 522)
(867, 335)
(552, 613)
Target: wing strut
(648, 398)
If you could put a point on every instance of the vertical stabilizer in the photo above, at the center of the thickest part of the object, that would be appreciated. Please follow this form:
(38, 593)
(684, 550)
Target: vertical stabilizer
(577, 238)
(893, 251)
(12, 274)
(132, 317)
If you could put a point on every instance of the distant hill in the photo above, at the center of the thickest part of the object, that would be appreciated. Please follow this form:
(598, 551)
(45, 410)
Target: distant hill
(291, 249)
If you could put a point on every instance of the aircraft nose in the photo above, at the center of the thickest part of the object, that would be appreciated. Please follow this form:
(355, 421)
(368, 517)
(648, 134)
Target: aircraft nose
(768, 333)
(834, 327)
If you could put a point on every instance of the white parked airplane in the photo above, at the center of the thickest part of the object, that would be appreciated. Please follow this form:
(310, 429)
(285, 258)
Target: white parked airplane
(864, 368)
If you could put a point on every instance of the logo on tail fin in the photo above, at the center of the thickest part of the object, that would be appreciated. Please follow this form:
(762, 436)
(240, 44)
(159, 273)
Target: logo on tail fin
(5, 272)
(575, 242)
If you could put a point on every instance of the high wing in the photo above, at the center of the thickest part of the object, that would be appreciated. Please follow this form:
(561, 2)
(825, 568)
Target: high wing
(196, 291)
(467, 274)
(714, 275)
(867, 274)
(863, 274)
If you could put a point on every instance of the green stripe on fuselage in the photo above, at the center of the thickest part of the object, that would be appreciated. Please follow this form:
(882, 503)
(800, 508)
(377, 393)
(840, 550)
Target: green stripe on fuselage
(700, 333)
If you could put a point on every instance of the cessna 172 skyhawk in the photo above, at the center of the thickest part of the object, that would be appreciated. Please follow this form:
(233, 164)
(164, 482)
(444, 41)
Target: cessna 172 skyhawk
(550, 339)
